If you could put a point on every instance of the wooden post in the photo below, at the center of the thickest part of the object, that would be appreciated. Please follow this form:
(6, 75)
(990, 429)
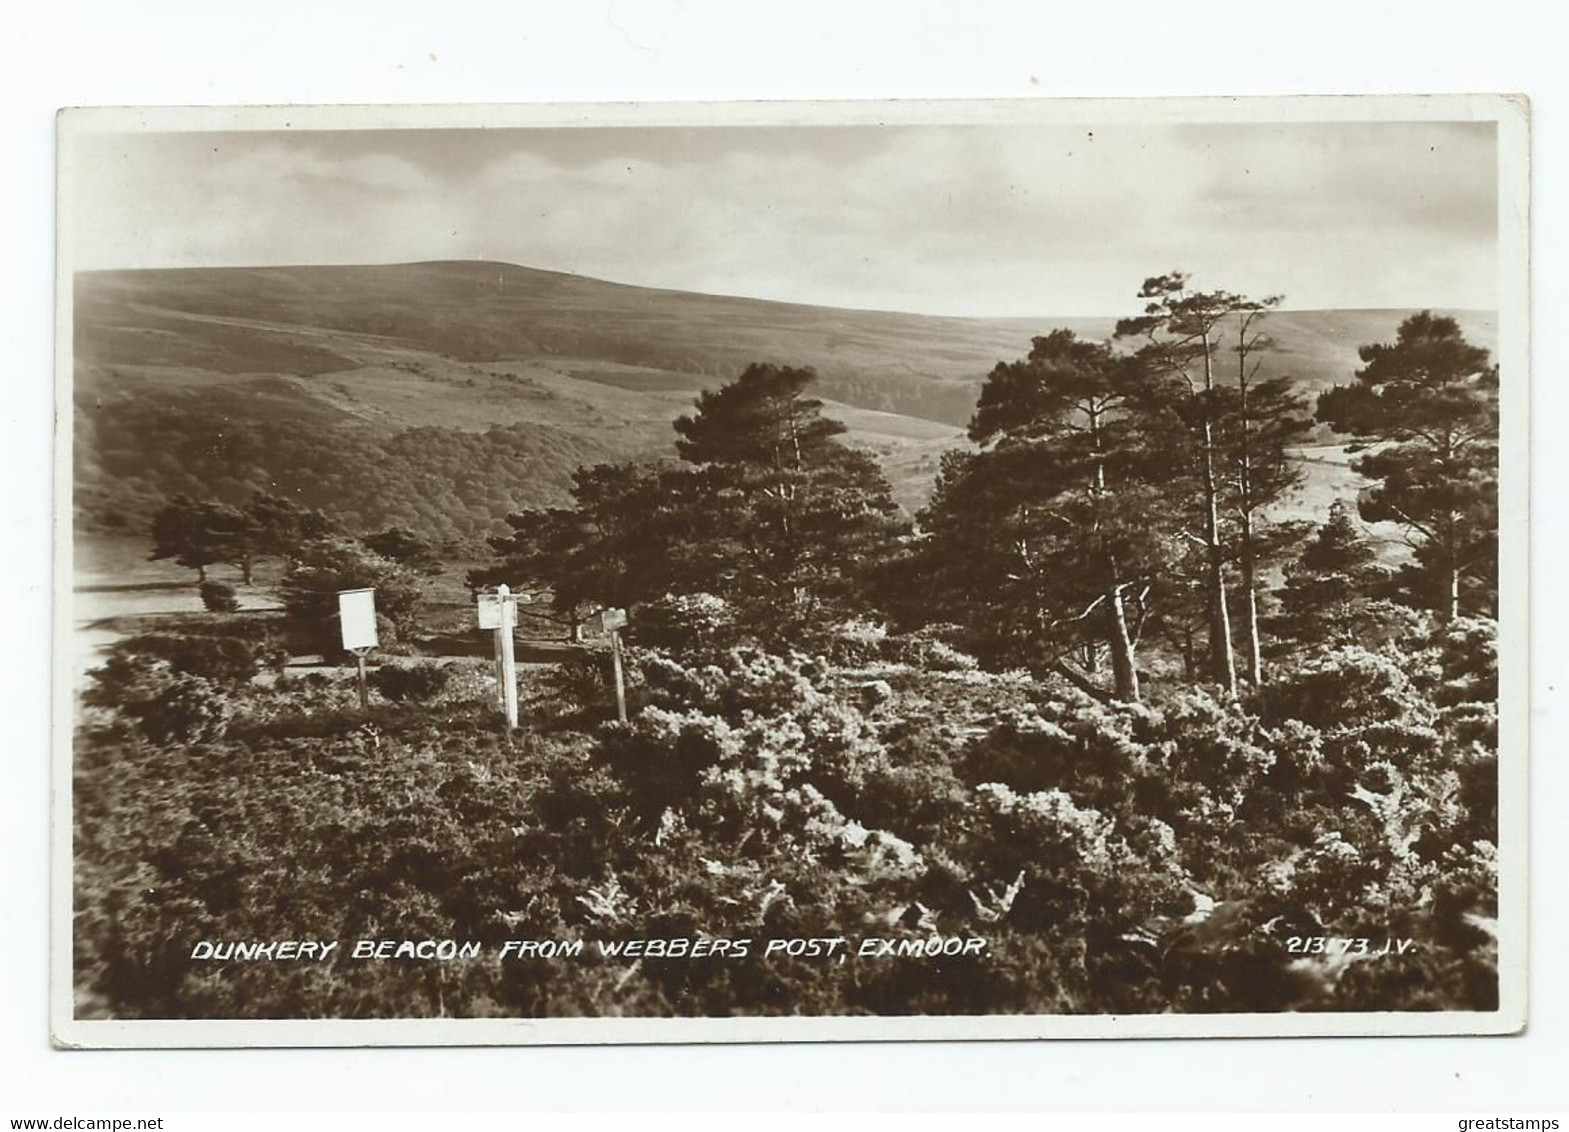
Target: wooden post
(495, 653)
(615, 664)
(359, 655)
(509, 672)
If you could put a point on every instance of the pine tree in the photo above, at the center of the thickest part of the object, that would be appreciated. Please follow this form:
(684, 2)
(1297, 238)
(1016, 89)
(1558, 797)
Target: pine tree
(761, 420)
(280, 527)
(1425, 409)
(631, 537)
(269, 525)
(401, 545)
(1328, 591)
(768, 510)
(799, 518)
(543, 550)
(1048, 535)
(325, 567)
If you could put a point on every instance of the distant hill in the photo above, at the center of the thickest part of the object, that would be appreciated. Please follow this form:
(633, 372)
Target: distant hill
(443, 395)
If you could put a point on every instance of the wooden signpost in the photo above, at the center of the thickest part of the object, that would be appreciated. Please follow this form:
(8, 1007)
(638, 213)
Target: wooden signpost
(357, 622)
(611, 622)
(491, 612)
(498, 612)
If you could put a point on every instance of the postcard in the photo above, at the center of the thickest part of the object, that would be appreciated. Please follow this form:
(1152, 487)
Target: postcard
(791, 571)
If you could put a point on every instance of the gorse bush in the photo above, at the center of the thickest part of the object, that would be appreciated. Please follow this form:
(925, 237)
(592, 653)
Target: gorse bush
(218, 597)
(224, 660)
(179, 687)
(700, 623)
(419, 684)
(160, 702)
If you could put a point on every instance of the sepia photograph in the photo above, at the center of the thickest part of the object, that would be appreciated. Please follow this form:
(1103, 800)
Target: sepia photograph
(791, 571)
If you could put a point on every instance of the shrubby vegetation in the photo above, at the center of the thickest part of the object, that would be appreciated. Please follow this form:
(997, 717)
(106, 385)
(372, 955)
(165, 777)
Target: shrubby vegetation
(415, 684)
(219, 597)
(759, 795)
(1011, 721)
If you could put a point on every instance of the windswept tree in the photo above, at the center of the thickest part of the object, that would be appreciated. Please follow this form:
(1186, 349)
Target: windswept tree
(403, 546)
(202, 533)
(271, 526)
(196, 534)
(278, 527)
(1050, 533)
(1424, 409)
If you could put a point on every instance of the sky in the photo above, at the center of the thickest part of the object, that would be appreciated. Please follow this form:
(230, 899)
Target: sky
(979, 220)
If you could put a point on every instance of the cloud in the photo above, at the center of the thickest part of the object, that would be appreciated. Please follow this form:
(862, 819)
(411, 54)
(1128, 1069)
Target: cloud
(1001, 220)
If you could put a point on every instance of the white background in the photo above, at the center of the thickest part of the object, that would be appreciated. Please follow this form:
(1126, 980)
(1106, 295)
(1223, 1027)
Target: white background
(286, 51)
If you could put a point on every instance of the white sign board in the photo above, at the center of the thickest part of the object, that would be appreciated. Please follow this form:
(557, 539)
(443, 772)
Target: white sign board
(357, 618)
(492, 609)
(610, 619)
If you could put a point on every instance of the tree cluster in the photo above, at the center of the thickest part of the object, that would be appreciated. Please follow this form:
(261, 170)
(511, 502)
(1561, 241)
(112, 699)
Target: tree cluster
(765, 507)
(1127, 493)
(200, 533)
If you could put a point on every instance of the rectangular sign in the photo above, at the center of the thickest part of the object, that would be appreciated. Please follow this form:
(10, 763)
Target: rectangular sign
(357, 618)
(491, 609)
(612, 619)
